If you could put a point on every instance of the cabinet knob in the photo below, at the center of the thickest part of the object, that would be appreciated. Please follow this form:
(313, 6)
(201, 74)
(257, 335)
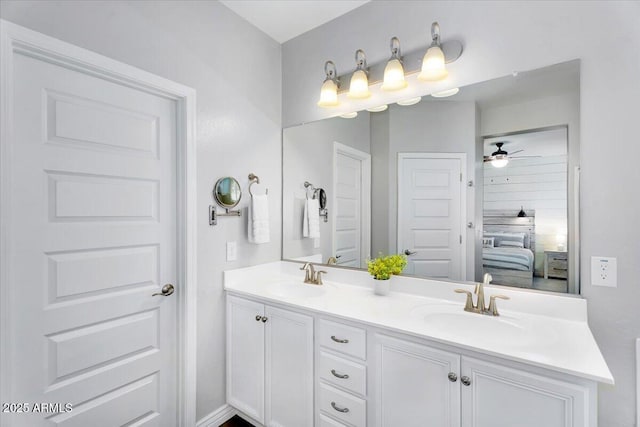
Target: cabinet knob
(465, 380)
(337, 408)
(452, 377)
(258, 317)
(264, 319)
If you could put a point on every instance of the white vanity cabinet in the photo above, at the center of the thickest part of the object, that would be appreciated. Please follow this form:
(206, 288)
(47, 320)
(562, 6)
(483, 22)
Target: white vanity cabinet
(270, 363)
(417, 385)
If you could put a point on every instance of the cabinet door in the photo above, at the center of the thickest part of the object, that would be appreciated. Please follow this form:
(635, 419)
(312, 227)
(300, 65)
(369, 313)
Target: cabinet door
(411, 385)
(505, 397)
(245, 356)
(289, 368)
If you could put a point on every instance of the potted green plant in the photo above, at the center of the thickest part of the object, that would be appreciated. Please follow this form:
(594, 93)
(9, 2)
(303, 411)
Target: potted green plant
(382, 269)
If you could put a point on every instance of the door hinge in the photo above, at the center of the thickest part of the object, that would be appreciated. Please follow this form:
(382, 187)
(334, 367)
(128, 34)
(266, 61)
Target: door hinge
(461, 239)
(460, 176)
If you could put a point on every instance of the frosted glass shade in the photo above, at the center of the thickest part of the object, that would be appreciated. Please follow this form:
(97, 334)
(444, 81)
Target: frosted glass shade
(500, 161)
(359, 87)
(394, 76)
(433, 65)
(328, 94)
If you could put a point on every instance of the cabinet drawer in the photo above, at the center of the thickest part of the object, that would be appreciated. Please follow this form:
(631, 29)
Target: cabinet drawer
(558, 265)
(343, 338)
(343, 373)
(557, 257)
(343, 406)
(328, 422)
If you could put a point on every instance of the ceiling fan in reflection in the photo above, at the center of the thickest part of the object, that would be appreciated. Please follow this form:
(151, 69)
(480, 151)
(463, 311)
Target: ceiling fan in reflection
(500, 158)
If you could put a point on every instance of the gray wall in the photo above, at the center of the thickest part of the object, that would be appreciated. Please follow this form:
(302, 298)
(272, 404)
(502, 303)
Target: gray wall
(500, 37)
(207, 47)
(307, 153)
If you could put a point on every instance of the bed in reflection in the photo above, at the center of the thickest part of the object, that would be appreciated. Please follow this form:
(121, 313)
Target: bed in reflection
(508, 247)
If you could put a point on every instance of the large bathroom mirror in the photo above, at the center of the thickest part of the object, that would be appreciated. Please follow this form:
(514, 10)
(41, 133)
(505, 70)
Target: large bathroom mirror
(481, 181)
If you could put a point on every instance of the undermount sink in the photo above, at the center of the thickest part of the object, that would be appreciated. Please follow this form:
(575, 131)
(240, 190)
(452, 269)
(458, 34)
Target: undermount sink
(490, 330)
(297, 290)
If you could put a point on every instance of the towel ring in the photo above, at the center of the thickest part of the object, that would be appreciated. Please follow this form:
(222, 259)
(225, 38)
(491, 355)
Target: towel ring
(255, 180)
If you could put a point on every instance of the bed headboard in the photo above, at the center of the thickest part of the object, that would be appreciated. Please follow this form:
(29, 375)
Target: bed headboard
(508, 221)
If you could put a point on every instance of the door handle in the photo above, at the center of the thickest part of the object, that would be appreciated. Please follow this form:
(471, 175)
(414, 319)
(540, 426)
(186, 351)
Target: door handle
(407, 252)
(165, 291)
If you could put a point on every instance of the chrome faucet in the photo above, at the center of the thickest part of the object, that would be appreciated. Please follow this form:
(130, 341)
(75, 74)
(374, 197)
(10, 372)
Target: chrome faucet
(479, 307)
(312, 276)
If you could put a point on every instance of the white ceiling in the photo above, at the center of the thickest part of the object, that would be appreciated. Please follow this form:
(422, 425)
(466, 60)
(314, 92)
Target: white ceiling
(283, 20)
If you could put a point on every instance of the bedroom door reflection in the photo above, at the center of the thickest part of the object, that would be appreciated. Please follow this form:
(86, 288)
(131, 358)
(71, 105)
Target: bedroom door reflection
(431, 206)
(525, 209)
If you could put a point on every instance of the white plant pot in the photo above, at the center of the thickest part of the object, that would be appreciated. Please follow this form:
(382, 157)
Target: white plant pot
(381, 287)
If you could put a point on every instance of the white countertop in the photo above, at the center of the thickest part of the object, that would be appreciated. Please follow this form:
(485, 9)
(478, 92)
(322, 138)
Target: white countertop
(544, 330)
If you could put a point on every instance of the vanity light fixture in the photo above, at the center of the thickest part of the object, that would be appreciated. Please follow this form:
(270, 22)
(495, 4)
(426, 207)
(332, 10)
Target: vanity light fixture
(359, 86)
(410, 101)
(394, 70)
(329, 91)
(378, 109)
(351, 115)
(433, 67)
(446, 93)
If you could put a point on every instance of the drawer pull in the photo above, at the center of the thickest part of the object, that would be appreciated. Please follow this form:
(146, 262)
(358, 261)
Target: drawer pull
(338, 340)
(341, 376)
(343, 410)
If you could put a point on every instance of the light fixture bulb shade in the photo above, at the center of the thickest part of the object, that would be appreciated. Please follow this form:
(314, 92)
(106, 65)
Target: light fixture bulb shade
(499, 162)
(359, 86)
(328, 94)
(394, 76)
(433, 67)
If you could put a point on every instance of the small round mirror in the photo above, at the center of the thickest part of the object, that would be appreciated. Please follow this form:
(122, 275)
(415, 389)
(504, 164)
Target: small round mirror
(227, 192)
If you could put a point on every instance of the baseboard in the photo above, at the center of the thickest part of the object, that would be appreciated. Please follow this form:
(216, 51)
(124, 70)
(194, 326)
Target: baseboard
(217, 417)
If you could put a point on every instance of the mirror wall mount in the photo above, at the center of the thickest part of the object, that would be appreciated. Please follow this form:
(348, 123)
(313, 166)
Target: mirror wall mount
(227, 193)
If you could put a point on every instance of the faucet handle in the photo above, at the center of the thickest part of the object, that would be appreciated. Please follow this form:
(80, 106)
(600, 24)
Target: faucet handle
(318, 280)
(468, 306)
(305, 266)
(493, 308)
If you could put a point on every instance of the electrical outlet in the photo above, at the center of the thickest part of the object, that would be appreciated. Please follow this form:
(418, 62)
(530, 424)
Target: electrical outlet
(604, 271)
(232, 251)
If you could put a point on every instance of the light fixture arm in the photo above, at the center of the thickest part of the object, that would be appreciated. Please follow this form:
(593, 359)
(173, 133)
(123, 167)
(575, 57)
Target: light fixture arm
(394, 45)
(331, 72)
(361, 61)
(435, 34)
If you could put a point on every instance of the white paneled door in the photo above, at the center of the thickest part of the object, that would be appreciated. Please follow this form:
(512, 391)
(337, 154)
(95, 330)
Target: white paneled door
(431, 212)
(93, 236)
(352, 204)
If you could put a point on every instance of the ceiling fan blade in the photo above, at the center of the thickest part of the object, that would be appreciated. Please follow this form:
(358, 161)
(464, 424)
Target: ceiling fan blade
(523, 157)
(517, 151)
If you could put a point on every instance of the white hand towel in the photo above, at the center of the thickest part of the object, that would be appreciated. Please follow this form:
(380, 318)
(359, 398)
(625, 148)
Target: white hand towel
(311, 221)
(258, 220)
